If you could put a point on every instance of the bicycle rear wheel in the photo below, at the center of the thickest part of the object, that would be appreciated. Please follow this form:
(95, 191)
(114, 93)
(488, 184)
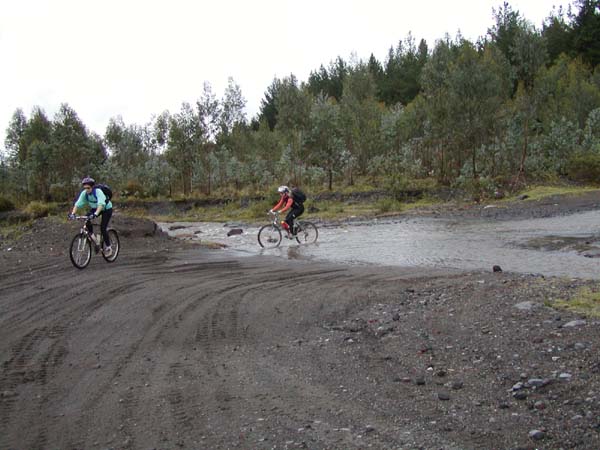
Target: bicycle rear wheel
(269, 236)
(80, 251)
(115, 246)
(307, 233)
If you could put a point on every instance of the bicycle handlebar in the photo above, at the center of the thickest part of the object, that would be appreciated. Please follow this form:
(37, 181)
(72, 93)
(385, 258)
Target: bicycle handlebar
(83, 218)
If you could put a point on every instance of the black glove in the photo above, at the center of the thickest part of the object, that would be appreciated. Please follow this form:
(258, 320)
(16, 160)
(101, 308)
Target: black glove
(71, 216)
(92, 215)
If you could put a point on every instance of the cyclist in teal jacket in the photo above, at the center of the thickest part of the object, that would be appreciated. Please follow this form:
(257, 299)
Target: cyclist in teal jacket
(96, 200)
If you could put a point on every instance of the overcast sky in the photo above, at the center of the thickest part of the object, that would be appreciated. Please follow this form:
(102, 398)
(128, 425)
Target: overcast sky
(136, 58)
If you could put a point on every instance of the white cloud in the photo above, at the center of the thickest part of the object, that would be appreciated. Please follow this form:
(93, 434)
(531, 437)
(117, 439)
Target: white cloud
(136, 58)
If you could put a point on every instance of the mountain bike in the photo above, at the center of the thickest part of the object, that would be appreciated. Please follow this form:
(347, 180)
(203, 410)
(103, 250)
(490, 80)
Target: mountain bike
(271, 235)
(84, 241)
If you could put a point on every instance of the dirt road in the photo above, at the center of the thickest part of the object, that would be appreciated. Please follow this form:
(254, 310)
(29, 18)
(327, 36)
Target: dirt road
(175, 347)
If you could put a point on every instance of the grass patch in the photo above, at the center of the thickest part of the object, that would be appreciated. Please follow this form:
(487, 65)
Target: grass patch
(585, 302)
(12, 233)
(541, 192)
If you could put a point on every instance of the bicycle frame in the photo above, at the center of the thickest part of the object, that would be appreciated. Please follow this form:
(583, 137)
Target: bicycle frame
(84, 230)
(277, 221)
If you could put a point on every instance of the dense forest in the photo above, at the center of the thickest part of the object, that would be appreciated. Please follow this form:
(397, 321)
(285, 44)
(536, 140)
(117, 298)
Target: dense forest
(521, 104)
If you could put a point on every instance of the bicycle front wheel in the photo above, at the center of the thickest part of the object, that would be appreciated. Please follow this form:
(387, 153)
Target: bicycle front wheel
(81, 251)
(307, 233)
(269, 236)
(115, 246)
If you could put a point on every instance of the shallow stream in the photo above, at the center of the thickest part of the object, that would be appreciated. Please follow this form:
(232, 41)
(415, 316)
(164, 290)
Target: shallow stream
(558, 246)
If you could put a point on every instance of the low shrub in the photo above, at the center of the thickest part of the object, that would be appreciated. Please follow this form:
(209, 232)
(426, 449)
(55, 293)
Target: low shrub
(386, 205)
(584, 167)
(37, 209)
(6, 204)
(134, 188)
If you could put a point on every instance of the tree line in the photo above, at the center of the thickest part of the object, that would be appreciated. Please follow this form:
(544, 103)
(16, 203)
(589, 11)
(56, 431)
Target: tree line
(519, 104)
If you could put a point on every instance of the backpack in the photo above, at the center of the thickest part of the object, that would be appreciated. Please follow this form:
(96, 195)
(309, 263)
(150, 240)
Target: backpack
(298, 196)
(107, 191)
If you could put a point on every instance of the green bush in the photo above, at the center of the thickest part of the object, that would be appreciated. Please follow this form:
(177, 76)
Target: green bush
(386, 205)
(584, 167)
(37, 209)
(6, 204)
(134, 188)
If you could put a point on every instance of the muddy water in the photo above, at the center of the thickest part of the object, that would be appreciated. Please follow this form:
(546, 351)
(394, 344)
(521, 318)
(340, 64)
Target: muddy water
(557, 246)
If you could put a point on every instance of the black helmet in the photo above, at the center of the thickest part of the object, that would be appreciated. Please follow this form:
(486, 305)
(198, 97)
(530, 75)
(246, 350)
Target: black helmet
(88, 180)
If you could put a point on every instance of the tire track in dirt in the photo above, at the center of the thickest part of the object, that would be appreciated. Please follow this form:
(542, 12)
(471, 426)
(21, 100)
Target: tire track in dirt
(34, 360)
(165, 316)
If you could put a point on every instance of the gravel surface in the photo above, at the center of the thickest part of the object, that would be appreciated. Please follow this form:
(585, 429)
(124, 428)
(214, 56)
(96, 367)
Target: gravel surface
(179, 346)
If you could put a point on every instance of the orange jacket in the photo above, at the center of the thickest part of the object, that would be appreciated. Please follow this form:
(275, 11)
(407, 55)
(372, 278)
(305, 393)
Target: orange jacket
(285, 199)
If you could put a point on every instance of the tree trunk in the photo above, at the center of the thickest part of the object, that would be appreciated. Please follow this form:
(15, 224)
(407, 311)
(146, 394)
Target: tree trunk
(524, 150)
(330, 179)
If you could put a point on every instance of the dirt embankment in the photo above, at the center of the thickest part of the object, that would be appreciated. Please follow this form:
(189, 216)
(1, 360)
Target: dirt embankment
(175, 346)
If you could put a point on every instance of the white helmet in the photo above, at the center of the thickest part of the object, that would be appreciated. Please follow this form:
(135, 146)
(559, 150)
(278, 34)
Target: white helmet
(283, 189)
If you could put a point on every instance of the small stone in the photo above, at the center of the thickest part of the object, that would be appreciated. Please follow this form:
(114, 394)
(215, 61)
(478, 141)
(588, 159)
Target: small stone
(574, 323)
(420, 381)
(537, 435)
(577, 417)
(523, 197)
(565, 376)
(369, 429)
(441, 373)
(443, 396)
(456, 385)
(580, 346)
(526, 306)
(497, 269)
(235, 231)
(396, 317)
(518, 386)
(520, 395)
(503, 405)
(539, 405)
(537, 382)
(8, 394)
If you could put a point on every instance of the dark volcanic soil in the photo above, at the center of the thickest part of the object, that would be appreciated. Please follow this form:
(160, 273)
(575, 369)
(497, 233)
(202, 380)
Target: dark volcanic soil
(175, 346)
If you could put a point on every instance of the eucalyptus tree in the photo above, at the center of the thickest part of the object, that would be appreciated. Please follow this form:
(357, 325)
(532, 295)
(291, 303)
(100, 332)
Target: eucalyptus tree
(185, 137)
(477, 91)
(324, 138)
(232, 111)
(438, 130)
(209, 115)
(75, 151)
(293, 119)
(360, 118)
(126, 143)
(14, 142)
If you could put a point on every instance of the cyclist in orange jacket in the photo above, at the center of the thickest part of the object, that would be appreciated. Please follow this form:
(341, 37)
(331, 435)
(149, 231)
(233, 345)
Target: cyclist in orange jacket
(287, 202)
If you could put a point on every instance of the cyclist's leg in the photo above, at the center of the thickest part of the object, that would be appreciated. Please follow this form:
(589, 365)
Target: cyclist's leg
(294, 214)
(289, 220)
(88, 224)
(106, 215)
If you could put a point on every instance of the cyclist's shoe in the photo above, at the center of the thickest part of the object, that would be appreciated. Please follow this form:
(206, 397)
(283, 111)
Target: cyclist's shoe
(107, 251)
